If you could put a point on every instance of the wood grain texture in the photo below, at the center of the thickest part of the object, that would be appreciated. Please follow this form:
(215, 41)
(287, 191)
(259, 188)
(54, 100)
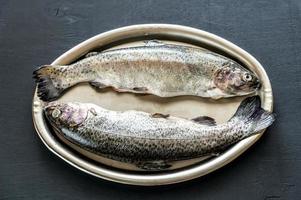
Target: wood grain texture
(35, 32)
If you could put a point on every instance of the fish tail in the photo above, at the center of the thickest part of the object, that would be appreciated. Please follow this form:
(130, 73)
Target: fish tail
(48, 82)
(263, 119)
(250, 112)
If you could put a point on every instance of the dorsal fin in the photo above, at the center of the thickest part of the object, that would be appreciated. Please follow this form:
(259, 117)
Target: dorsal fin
(160, 115)
(205, 120)
(153, 43)
(93, 53)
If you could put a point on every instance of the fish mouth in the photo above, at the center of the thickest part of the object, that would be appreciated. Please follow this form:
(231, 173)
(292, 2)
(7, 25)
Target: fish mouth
(256, 84)
(49, 110)
(47, 113)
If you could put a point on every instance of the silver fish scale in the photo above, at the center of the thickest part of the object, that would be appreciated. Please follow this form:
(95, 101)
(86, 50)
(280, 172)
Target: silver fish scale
(164, 70)
(136, 136)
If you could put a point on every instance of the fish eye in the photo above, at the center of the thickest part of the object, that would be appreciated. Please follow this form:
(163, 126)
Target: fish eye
(247, 77)
(56, 113)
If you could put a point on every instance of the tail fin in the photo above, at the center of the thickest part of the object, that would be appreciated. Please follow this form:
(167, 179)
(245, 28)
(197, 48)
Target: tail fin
(48, 86)
(250, 111)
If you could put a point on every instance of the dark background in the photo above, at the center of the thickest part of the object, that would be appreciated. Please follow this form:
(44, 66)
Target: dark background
(35, 32)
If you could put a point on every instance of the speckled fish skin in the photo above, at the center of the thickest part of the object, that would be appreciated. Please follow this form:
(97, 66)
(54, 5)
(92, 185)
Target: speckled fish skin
(164, 70)
(150, 141)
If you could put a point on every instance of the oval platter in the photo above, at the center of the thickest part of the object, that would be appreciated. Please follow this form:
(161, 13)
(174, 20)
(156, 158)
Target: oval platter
(187, 107)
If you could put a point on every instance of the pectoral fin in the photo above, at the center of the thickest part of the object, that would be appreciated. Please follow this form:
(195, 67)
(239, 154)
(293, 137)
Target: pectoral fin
(97, 85)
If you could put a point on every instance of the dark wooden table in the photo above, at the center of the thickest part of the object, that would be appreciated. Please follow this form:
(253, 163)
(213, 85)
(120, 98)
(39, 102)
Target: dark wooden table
(35, 32)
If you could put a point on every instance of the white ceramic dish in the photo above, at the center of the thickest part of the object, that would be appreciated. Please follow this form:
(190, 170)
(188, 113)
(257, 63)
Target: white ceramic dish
(221, 110)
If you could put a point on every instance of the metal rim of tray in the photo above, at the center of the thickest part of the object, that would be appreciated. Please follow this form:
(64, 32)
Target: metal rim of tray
(168, 177)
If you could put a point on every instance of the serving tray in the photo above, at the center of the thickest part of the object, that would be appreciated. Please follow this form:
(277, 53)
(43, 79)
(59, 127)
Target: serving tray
(187, 107)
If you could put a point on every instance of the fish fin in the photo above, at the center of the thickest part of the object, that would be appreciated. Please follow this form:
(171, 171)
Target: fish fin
(140, 89)
(250, 111)
(98, 85)
(263, 119)
(93, 53)
(156, 165)
(153, 43)
(46, 76)
(142, 94)
(121, 89)
(247, 107)
(216, 154)
(205, 120)
(160, 115)
(93, 111)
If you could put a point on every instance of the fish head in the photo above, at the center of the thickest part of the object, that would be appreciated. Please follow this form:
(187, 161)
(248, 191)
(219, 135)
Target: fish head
(233, 79)
(65, 115)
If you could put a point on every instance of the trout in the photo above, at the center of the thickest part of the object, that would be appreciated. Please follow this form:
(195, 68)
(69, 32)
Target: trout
(164, 70)
(152, 141)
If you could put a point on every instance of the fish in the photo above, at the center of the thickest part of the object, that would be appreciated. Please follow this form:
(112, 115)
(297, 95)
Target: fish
(164, 70)
(152, 141)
